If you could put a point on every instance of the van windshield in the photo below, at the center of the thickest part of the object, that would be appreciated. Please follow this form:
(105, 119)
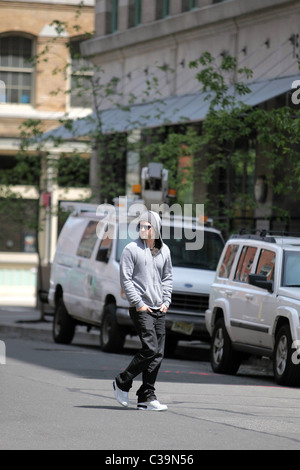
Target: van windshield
(205, 258)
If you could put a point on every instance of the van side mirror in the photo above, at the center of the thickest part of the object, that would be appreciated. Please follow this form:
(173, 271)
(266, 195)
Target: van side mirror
(260, 280)
(103, 255)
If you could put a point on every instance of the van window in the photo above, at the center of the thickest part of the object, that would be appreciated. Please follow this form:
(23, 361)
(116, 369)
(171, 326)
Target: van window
(206, 258)
(106, 244)
(228, 260)
(245, 263)
(88, 240)
(123, 239)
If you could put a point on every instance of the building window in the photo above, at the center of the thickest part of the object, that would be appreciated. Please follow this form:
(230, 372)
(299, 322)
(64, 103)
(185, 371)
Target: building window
(188, 5)
(15, 68)
(18, 224)
(114, 15)
(162, 9)
(137, 12)
(81, 78)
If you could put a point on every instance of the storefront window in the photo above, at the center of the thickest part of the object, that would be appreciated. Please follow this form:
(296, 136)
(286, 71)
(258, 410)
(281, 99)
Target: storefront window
(18, 225)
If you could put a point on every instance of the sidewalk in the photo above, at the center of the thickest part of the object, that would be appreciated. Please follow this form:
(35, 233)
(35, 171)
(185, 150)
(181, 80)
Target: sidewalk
(26, 322)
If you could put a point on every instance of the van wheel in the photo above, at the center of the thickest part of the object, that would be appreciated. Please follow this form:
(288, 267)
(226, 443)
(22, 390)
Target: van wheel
(112, 336)
(285, 360)
(223, 358)
(63, 327)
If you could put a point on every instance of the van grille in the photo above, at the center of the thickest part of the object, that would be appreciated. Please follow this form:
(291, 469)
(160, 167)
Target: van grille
(189, 302)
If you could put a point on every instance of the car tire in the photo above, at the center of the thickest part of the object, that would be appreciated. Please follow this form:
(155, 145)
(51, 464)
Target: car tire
(63, 327)
(170, 345)
(112, 336)
(224, 360)
(285, 371)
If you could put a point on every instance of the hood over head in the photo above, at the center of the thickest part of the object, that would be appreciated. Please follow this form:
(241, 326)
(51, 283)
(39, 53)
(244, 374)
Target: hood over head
(154, 219)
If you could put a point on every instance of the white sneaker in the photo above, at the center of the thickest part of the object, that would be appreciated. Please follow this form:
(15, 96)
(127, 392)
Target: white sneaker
(121, 396)
(153, 405)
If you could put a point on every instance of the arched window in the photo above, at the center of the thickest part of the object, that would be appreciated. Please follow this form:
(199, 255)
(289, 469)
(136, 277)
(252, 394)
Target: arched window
(16, 71)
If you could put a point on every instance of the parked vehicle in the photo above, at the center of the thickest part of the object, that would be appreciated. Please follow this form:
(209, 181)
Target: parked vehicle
(85, 287)
(254, 305)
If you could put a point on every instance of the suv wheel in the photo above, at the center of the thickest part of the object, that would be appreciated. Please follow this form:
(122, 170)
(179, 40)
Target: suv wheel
(63, 327)
(112, 336)
(223, 358)
(285, 372)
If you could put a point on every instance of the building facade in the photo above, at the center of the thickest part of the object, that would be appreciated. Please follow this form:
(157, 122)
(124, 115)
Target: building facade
(29, 90)
(261, 34)
(135, 41)
(137, 38)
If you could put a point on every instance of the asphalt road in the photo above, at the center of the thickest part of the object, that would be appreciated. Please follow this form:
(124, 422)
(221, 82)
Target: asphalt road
(60, 397)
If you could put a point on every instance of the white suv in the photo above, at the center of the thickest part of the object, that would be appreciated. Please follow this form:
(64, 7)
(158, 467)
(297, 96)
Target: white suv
(254, 305)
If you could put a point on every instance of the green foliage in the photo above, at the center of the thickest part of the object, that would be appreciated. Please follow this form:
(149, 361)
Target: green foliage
(234, 136)
(72, 171)
(226, 146)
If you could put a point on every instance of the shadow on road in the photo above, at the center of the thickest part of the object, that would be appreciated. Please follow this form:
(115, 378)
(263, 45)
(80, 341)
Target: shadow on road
(188, 364)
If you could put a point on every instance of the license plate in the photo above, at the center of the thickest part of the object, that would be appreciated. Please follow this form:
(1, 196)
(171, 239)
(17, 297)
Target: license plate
(182, 327)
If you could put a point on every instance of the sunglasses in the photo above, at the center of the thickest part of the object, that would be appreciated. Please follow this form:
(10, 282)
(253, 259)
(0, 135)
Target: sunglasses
(145, 227)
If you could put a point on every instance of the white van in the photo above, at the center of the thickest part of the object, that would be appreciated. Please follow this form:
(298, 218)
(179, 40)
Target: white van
(85, 287)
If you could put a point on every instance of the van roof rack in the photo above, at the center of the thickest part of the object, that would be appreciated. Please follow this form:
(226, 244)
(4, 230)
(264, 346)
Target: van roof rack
(78, 207)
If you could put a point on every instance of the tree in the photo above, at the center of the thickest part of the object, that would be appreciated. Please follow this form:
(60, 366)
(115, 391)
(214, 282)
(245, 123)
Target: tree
(235, 135)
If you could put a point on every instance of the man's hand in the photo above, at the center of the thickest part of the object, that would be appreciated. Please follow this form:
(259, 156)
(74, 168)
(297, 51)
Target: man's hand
(163, 308)
(144, 308)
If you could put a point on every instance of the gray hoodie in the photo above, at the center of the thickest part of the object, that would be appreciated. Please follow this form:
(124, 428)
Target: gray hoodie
(145, 275)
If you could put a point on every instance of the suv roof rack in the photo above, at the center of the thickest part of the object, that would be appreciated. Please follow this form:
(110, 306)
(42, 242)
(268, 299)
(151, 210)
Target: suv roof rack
(265, 235)
(261, 237)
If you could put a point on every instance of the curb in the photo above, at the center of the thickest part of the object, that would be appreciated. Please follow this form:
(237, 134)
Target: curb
(41, 333)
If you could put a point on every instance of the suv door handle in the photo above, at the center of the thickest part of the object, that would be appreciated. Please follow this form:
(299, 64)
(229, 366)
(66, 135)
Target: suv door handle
(249, 296)
(228, 293)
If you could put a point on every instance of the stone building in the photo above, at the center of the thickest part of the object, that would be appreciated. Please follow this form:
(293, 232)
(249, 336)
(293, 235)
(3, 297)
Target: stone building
(134, 38)
(28, 91)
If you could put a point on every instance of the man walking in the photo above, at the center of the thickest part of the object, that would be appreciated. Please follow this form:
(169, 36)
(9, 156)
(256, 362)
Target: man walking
(146, 278)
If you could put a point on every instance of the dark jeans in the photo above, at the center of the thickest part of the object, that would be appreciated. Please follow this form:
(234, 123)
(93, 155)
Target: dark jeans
(152, 332)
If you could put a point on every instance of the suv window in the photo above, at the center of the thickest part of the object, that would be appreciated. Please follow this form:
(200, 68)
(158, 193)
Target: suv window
(228, 261)
(245, 263)
(88, 240)
(266, 264)
(291, 270)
